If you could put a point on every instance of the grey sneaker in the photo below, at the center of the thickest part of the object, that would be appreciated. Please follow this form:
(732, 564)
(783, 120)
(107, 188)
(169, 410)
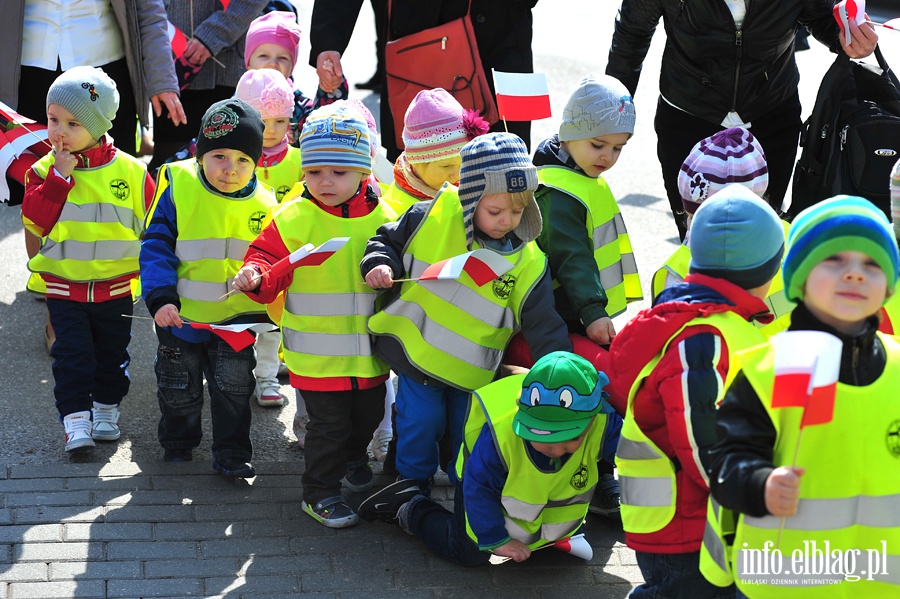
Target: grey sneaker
(333, 512)
(105, 422)
(385, 504)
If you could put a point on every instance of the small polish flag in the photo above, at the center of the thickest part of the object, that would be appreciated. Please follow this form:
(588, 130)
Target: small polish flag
(237, 336)
(576, 545)
(177, 39)
(886, 325)
(482, 265)
(823, 389)
(20, 142)
(522, 96)
(308, 255)
(807, 364)
(846, 11)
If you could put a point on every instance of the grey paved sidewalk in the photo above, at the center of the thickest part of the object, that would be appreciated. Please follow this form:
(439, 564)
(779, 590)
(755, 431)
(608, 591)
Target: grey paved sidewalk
(130, 530)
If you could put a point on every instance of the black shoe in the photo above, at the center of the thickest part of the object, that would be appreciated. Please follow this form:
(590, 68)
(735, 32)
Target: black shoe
(385, 504)
(178, 455)
(606, 500)
(373, 84)
(359, 479)
(234, 467)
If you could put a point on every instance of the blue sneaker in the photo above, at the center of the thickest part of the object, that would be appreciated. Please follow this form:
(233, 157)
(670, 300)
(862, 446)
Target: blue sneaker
(234, 468)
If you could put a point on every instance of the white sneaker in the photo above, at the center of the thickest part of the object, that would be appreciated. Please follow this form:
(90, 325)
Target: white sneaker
(78, 432)
(269, 393)
(380, 441)
(106, 422)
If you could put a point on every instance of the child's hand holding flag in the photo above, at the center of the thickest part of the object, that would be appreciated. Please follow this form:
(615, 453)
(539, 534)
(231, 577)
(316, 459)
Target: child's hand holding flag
(248, 277)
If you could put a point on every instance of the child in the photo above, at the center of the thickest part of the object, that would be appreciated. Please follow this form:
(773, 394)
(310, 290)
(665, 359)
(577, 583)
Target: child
(435, 129)
(326, 345)
(527, 472)
(279, 168)
(207, 211)
(444, 338)
(88, 258)
(672, 362)
(836, 488)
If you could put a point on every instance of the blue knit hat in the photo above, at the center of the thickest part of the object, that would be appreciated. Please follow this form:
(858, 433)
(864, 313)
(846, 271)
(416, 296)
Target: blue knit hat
(498, 163)
(737, 237)
(336, 136)
(835, 225)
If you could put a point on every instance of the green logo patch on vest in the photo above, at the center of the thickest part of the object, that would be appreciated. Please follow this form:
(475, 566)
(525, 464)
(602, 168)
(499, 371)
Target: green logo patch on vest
(119, 189)
(893, 438)
(580, 479)
(504, 285)
(281, 191)
(255, 222)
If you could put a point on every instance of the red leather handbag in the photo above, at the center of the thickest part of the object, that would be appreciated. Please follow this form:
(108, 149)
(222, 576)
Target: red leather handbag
(444, 56)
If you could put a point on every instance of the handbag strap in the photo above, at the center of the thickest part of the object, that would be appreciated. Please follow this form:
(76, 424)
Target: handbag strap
(390, 2)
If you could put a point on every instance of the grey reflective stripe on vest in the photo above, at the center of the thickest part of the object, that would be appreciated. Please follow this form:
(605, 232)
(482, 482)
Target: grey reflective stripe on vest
(748, 569)
(228, 248)
(529, 512)
(202, 291)
(444, 339)
(635, 450)
(88, 251)
(330, 304)
(833, 514)
(614, 274)
(645, 491)
(101, 213)
(327, 344)
(551, 532)
(608, 232)
(712, 541)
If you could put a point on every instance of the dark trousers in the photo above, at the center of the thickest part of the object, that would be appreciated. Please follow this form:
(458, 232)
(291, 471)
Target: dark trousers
(675, 576)
(340, 427)
(90, 355)
(180, 367)
(677, 132)
(444, 532)
(169, 138)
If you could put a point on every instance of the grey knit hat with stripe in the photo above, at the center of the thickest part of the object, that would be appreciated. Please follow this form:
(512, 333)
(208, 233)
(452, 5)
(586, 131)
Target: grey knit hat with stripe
(90, 95)
(498, 163)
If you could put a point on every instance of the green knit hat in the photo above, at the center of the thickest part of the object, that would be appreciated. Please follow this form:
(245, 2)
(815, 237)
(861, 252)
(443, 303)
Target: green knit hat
(835, 225)
(561, 394)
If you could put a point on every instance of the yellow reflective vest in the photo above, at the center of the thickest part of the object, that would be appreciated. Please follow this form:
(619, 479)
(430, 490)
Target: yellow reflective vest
(846, 525)
(214, 232)
(326, 307)
(97, 235)
(538, 507)
(606, 227)
(283, 176)
(647, 475)
(454, 330)
(399, 199)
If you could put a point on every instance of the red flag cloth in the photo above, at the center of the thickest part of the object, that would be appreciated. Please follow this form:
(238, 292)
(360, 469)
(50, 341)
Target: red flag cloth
(20, 147)
(576, 545)
(237, 340)
(846, 11)
(177, 39)
(522, 96)
(308, 256)
(820, 407)
(482, 265)
(886, 326)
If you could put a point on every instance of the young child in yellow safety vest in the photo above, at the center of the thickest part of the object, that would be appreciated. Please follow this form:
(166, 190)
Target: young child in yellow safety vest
(206, 212)
(86, 200)
(527, 469)
(326, 345)
(804, 484)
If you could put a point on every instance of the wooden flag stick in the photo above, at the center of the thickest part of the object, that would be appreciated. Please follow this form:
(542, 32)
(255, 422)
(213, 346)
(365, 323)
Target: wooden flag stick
(136, 317)
(793, 465)
(885, 25)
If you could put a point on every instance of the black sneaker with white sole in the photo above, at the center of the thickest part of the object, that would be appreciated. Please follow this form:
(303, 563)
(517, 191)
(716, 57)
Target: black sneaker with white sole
(384, 505)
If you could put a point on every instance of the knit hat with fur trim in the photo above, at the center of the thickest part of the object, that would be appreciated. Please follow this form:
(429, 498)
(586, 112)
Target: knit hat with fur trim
(276, 27)
(498, 163)
(835, 225)
(436, 126)
(336, 135)
(730, 156)
(90, 95)
(267, 91)
(231, 124)
(600, 105)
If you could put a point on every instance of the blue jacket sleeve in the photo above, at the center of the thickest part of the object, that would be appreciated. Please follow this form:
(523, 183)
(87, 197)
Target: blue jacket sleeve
(611, 438)
(542, 326)
(158, 262)
(482, 484)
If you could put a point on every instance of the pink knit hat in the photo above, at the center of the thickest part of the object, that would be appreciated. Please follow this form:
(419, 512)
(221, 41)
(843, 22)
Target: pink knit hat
(277, 27)
(267, 91)
(436, 126)
(362, 109)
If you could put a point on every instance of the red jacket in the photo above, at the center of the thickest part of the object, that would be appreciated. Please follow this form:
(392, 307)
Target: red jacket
(676, 404)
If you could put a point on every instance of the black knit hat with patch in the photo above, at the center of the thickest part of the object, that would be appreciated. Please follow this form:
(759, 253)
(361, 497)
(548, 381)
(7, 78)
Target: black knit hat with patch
(234, 125)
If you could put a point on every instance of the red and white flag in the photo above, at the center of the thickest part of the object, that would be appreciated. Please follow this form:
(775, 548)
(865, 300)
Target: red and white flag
(522, 96)
(807, 364)
(846, 11)
(22, 142)
(482, 265)
(308, 255)
(576, 545)
(177, 39)
(237, 336)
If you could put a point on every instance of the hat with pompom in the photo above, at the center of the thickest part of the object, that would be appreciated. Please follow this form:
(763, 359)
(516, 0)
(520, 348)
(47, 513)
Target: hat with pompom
(436, 126)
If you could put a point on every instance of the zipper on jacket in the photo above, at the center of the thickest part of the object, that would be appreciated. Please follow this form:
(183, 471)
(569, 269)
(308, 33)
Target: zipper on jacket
(441, 40)
(854, 363)
(739, 45)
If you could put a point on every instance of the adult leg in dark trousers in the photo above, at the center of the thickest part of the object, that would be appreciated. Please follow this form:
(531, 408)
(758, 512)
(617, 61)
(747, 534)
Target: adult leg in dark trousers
(379, 7)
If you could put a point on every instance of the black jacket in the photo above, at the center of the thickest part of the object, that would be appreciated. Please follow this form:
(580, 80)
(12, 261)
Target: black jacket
(708, 67)
(742, 457)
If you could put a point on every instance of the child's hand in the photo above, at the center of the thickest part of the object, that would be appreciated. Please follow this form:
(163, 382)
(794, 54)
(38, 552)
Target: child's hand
(601, 331)
(64, 162)
(514, 550)
(380, 277)
(167, 316)
(247, 279)
(783, 491)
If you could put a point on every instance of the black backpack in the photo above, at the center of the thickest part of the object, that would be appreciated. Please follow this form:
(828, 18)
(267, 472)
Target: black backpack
(852, 138)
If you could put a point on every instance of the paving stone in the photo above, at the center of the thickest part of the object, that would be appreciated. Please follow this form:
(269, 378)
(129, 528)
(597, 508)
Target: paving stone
(243, 547)
(95, 569)
(39, 533)
(49, 499)
(176, 587)
(26, 572)
(148, 550)
(73, 513)
(255, 584)
(50, 552)
(100, 531)
(191, 568)
(71, 589)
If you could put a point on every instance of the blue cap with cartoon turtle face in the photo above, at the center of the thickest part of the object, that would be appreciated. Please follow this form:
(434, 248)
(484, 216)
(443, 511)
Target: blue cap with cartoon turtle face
(561, 394)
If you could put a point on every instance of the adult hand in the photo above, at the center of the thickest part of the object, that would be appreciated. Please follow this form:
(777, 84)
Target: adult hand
(863, 39)
(167, 316)
(380, 277)
(601, 331)
(173, 106)
(782, 492)
(514, 550)
(196, 53)
(329, 70)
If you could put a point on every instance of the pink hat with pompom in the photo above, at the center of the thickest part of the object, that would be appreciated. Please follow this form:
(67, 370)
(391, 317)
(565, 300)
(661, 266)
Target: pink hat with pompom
(267, 91)
(436, 126)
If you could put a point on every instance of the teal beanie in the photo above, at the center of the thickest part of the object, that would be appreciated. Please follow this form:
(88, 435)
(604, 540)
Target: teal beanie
(835, 225)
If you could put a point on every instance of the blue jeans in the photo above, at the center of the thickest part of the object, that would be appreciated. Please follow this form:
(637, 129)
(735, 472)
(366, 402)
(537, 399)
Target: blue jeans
(422, 415)
(445, 532)
(90, 355)
(675, 576)
(180, 367)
